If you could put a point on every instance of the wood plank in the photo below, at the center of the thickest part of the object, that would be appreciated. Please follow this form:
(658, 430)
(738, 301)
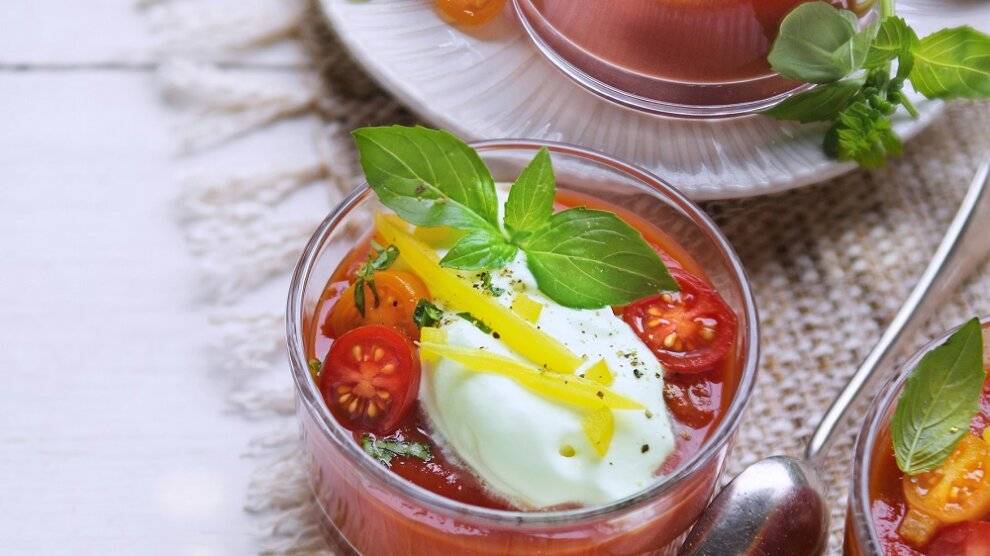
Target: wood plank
(114, 434)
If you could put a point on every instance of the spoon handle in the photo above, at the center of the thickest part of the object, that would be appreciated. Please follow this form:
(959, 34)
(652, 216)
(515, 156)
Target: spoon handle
(966, 243)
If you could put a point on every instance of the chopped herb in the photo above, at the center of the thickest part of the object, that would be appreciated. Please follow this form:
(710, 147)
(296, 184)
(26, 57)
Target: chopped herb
(378, 259)
(385, 450)
(426, 314)
(314, 368)
(637, 373)
(486, 284)
(475, 321)
(644, 449)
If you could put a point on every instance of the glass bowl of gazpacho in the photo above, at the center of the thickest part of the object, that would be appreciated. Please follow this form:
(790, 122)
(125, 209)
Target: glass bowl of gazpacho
(685, 58)
(921, 474)
(557, 371)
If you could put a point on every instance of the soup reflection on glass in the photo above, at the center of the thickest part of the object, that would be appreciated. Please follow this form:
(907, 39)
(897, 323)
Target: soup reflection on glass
(645, 53)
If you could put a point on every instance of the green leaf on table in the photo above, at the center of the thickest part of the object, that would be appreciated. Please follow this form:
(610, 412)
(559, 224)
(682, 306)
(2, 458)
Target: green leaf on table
(952, 63)
(823, 103)
(589, 259)
(940, 398)
(429, 177)
(530, 202)
(480, 250)
(818, 43)
(895, 40)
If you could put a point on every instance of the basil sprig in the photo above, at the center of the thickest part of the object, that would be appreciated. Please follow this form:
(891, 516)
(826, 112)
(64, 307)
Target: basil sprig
(378, 259)
(581, 258)
(940, 398)
(819, 43)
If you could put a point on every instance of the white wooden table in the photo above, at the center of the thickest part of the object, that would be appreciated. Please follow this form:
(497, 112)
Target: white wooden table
(114, 434)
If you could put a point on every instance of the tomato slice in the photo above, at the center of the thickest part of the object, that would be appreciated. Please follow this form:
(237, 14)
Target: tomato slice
(398, 293)
(964, 539)
(370, 378)
(957, 491)
(689, 331)
(691, 401)
(471, 12)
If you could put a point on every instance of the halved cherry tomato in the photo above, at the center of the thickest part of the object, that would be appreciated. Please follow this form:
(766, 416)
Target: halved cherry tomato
(957, 491)
(370, 378)
(398, 293)
(689, 331)
(471, 12)
(964, 539)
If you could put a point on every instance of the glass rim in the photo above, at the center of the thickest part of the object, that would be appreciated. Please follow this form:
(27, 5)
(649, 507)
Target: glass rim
(647, 105)
(867, 437)
(308, 393)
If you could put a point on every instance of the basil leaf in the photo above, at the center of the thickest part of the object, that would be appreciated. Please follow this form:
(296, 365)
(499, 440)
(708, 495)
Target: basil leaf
(953, 63)
(479, 250)
(589, 259)
(818, 43)
(385, 450)
(530, 202)
(476, 322)
(895, 39)
(426, 314)
(428, 177)
(823, 103)
(486, 284)
(940, 398)
(864, 135)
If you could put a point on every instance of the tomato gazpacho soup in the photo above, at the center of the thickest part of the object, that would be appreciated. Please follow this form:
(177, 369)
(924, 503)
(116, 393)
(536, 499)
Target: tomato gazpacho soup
(516, 350)
(925, 490)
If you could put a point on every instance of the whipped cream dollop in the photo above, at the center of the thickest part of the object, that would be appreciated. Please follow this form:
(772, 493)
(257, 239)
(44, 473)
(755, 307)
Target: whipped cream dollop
(530, 449)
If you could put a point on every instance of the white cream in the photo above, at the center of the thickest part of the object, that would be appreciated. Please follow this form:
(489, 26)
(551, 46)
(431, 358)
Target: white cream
(516, 440)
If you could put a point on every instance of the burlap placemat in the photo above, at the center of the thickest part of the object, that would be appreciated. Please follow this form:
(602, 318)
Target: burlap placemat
(829, 264)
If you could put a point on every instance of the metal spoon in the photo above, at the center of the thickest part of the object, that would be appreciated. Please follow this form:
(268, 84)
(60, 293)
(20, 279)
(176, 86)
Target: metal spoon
(777, 506)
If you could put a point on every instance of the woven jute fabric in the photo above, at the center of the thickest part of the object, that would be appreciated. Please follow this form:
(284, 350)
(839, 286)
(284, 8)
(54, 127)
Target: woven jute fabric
(829, 264)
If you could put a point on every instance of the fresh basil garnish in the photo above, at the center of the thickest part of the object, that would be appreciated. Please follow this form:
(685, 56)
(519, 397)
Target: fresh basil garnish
(385, 450)
(953, 63)
(591, 258)
(426, 314)
(476, 322)
(819, 43)
(940, 398)
(314, 368)
(581, 258)
(379, 259)
(486, 284)
(429, 177)
(479, 250)
(530, 202)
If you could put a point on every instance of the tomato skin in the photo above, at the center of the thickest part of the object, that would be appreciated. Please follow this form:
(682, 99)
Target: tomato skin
(370, 378)
(398, 293)
(964, 539)
(689, 331)
(690, 401)
(470, 12)
(957, 491)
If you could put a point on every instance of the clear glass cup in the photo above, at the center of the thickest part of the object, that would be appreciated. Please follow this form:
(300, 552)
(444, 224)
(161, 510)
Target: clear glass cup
(626, 53)
(369, 510)
(861, 537)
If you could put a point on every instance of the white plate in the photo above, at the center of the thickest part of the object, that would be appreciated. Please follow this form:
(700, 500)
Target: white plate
(491, 83)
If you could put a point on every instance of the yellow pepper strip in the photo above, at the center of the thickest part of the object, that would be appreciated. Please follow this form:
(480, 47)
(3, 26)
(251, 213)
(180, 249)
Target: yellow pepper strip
(527, 308)
(431, 335)
(527, 340)
(438, 237)
(986, 435)
(599, 426)
(600, 373)
(573, 390)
